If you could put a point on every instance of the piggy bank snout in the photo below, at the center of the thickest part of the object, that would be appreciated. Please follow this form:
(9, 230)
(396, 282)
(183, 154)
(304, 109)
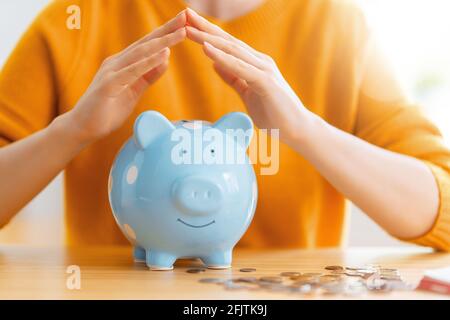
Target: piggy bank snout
(196, 195)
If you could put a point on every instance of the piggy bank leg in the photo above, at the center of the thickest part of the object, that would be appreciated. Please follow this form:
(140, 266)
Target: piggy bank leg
(157, 260)
(139, 254)
(218, 260)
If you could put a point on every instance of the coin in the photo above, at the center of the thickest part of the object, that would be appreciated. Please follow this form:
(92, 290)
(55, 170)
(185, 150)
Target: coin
(354, 274)
(349, 281)
(332, 275)
(329, 278)
(303, 283)
(275, 287)
(233, 286)
(312, 274)
(290, 274)
(374, 282)
(338, 271)
(388, 270)
(373, 266)
(306, 278)
(390, 274)
(196, 270)
(271, 279)
(367, 275)
(211, 280)
(334, 268)
(357, 269)
(391, 278)
(246, 279)
(305, 288)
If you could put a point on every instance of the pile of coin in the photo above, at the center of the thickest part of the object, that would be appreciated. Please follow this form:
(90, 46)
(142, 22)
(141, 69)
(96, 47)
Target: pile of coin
(352, 281)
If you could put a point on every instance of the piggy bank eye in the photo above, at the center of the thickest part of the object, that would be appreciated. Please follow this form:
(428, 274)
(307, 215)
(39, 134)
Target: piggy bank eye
(213, 152)
(183, 151)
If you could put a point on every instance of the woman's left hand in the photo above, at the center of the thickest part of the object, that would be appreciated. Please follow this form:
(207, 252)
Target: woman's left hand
(269, 99)
(391, 180)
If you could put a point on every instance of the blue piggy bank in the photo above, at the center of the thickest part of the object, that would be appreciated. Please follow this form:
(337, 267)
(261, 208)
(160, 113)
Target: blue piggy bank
(184, 189)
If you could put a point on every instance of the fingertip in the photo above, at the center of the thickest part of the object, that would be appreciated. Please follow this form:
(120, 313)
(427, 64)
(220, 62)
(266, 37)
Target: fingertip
(180, 19)
(189, 31)
(165, 52)
(180, 34)
(188, 16)
(184, 17)
(208, 46)
(191, 14)
(209, 50)
(182, 13)
(190, 11)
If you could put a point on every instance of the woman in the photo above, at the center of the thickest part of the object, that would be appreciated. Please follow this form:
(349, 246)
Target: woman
(68, 99)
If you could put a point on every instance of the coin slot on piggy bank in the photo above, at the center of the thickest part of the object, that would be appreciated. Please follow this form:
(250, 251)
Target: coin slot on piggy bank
(184, 189)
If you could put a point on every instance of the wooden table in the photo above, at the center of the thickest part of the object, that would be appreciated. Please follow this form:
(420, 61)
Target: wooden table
(109, 273)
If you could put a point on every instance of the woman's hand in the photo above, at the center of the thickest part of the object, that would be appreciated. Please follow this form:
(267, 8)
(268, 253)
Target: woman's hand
(121, 81)
(270, 101)
(28, 165)
(396, 187)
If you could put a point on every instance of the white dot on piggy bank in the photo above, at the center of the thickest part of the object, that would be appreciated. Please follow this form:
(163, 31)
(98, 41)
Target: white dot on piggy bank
(132, 174)
(129, 231)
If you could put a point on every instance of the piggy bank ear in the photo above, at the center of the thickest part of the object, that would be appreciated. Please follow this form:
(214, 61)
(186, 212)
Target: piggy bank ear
(149, 126)
(239, 123)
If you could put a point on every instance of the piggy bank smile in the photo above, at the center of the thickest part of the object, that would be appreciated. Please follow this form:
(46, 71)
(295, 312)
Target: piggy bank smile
(196, 226)
(171, 195)
(197, 196)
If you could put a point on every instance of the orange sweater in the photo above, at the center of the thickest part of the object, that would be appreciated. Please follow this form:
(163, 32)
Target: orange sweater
(322, 47)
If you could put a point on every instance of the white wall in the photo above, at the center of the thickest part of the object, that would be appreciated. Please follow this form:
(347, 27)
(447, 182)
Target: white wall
(15, 15)
(42, 221)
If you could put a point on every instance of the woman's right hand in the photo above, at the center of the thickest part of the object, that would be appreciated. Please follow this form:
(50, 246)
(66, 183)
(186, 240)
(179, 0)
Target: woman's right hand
(121, 81)
(28, 165)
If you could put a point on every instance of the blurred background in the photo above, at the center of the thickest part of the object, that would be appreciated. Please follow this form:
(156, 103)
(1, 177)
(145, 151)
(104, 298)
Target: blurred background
(413, 33)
